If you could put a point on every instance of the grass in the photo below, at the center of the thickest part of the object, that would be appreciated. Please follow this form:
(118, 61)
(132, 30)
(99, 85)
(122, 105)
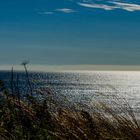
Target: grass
(33, 119)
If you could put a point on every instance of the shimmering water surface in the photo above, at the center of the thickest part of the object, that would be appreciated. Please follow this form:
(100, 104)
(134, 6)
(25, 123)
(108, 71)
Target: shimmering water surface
(87, 87)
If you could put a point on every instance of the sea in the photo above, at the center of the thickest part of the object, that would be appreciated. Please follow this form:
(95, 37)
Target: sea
(84, 88)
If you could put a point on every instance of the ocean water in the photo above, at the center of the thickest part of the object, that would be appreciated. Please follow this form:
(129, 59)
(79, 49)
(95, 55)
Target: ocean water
(86, 87)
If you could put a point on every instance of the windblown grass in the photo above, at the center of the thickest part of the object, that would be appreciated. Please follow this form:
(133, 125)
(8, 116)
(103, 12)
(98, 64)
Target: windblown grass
(33, 119)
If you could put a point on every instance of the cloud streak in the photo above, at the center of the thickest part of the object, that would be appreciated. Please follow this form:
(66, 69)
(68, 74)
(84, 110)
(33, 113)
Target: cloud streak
(62, 10)
(45, 13)
(99, 6)
(111, 5)
(65, 10)
(127, 6)
(108, 5)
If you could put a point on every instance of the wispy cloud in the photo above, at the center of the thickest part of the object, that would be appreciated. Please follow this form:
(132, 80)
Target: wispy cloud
(65, 10)
(111, 5)
(97, 4)
(46, 13)
(127, 6)
(100, 6)
(62, 10)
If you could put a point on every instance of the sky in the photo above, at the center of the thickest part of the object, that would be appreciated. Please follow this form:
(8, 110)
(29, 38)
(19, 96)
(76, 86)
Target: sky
(70, 32)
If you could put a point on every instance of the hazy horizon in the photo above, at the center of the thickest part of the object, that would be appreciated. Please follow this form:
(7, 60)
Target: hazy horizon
(59, 68)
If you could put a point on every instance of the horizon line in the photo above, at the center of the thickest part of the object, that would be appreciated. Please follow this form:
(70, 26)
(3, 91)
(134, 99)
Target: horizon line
(55, 68)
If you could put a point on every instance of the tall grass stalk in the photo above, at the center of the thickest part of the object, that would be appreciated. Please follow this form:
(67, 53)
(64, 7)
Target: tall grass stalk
(27, 76)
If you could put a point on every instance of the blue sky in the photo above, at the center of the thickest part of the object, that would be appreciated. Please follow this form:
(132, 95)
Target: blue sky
(70, 32)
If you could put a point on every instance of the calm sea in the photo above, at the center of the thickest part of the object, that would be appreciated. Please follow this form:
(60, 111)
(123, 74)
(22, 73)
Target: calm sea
(86, 87)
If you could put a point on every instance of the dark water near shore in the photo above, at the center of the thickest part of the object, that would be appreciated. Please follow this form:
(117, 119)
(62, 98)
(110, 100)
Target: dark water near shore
(86, 87)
